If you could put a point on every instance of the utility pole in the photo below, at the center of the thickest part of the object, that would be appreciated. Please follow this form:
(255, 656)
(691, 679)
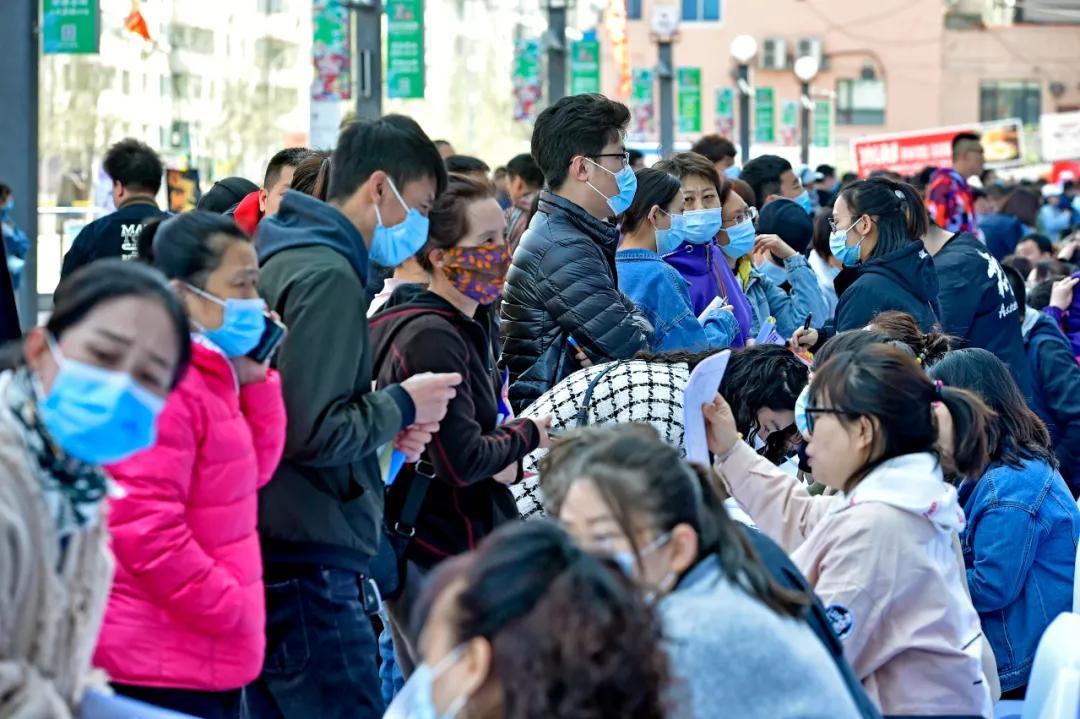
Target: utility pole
(804, 124)
(556, 50)
(743, 49)
(19, 128)
(665, 30)
(368, 19)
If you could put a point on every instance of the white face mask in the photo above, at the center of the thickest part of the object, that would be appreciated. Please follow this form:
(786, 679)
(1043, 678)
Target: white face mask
(628, 564)
(416, 699)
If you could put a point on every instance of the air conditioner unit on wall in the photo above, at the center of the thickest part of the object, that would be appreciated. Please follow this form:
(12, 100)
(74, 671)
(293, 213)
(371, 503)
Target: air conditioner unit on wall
(811, 47)
(774, 54)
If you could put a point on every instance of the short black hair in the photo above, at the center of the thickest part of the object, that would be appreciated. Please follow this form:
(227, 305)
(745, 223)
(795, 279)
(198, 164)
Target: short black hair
(134, 165)
(826, 170)
(1044, 243)
(289, 157)
(394, 144)
(715, 147)
(635, 155)
(5, 190)
(1038, 297)
(525, 167)
(575, 125)
(960, 138)
(763, 175)
(464, 164)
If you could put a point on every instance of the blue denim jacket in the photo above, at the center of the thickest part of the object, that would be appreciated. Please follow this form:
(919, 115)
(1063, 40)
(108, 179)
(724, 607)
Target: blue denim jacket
(790, 311)
(1020, 552)
(661, 294)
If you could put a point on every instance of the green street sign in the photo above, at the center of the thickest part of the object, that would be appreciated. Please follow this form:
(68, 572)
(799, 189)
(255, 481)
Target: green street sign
(822, 132)
(764, 115)
(689, 84)
(584, 67)
(405, 49)
(70, 26)
(725, 111)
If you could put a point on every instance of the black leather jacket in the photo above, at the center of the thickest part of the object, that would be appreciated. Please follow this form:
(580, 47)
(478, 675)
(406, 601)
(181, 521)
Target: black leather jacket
(562, 284)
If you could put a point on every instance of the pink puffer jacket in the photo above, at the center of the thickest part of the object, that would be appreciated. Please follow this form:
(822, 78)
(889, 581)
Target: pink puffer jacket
(187, 608)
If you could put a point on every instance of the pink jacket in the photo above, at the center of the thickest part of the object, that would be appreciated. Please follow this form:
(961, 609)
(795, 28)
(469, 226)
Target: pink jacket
(882, 561)
(187, 608)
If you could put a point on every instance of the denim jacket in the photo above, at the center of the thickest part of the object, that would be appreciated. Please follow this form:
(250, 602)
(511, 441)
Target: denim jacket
(790, 311)
(1020, 552)
(661, 294)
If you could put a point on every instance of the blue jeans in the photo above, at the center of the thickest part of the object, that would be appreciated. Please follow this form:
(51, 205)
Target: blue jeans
(320, 649)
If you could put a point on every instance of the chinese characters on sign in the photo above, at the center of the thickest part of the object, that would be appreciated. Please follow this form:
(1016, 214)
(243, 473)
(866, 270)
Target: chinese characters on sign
(764, 115)
(689, 84)
(69, 26)
(584, 67)
(405, 49)
(725, 111)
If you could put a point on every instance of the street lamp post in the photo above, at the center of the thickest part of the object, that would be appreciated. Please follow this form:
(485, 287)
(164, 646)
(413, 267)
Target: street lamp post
(556, 49)
(743, 49)
(665, 28)
(369, 57)
(806, 68)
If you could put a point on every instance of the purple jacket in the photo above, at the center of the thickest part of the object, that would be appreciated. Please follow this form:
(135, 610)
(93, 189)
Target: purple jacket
(707, 272)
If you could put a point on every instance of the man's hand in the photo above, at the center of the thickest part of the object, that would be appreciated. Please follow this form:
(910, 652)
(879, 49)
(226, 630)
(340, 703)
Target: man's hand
(413, 440)
(803, 340)
(430, 394)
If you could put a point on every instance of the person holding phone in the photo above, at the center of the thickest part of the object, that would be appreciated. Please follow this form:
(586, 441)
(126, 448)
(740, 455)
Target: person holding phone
(185, 625)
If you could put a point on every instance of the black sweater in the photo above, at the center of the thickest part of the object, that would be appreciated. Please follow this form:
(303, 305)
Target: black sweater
(417, 332)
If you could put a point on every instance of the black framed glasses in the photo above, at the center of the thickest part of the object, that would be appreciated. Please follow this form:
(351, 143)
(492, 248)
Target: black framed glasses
(811, 412)
(624, 155)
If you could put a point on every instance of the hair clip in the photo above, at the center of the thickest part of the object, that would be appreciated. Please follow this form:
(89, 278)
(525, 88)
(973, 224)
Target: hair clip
(938, 386)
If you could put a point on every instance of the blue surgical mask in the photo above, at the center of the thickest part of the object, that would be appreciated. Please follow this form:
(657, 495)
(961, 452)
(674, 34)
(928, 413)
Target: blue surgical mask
(804, 201)
(733, 172)
(846, 255)
(627, 183)
(802, 422)
(242, 325)
(740, 239)
(8, 206)
(702, 225)
(416, 699)
(773, 271)
(667, 241)
(390, 246)
(97, 415)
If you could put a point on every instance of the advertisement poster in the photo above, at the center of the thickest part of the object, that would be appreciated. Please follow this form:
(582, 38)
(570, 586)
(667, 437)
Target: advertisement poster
(183, 188)
(907, 153)
(724, 120)
(642, 109)
(584, 67)
(526, 79)
(789, 123)
(405, 49)
(688, 81)
(821, 135)
(70, 27)
(330, 50)
(764, 115)
(1059, 136)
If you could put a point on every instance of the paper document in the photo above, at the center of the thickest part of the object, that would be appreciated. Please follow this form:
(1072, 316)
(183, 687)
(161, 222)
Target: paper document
(703, 385)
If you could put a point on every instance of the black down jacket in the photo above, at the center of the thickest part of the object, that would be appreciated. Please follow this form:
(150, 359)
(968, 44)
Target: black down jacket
(562, 284)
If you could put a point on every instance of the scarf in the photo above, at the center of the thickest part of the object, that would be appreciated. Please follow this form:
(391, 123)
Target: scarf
(72, 489)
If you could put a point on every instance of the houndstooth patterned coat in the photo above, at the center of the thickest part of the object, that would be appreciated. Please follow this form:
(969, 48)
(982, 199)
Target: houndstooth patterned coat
(630, 391)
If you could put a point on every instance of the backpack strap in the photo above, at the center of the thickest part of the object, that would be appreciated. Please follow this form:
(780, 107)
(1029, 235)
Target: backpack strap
(583, 410)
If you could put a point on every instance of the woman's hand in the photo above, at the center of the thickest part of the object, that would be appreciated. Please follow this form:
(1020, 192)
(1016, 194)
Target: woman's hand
(1062, 294)
(720, 430)
(803, 340)
(248, 371)
(774, 246)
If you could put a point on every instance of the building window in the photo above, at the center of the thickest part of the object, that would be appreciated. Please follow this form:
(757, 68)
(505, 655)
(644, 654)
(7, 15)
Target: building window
(633, 9)
(701, 10)
(860, 102)
(1004, 99)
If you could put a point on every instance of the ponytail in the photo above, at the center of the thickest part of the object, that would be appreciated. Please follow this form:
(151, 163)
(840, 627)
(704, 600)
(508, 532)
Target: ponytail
(971, 426)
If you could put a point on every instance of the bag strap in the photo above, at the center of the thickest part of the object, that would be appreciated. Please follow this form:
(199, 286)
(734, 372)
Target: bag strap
(423, 474)
(583, 410)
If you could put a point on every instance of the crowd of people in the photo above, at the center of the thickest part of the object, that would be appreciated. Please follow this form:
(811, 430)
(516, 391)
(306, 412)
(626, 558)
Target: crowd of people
(392, 433)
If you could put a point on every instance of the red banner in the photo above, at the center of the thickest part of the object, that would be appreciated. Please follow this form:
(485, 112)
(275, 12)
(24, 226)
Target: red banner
(907, 153)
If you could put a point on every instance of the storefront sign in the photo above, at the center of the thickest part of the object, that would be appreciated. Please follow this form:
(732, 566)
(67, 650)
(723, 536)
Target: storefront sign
(689, 84)
(907, 153)
(584, 67)
(764, 115)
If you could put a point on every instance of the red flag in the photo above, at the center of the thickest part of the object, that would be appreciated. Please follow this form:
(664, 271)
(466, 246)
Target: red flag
(136, 23)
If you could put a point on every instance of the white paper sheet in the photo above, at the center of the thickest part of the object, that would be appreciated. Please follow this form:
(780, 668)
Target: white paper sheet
(703, 385)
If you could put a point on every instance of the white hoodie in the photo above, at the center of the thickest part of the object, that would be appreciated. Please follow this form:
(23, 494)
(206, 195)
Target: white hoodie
(883, 562)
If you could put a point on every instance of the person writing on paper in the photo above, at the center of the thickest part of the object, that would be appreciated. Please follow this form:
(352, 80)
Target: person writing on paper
(185, 628)
(654, 225)
(446, 328)
(881, 555)
(738, 641)
(83, 390)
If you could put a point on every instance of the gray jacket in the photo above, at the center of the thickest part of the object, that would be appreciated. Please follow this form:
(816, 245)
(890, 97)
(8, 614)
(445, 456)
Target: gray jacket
(733, 656)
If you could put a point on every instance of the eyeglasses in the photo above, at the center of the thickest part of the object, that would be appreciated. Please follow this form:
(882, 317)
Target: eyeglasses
(812, 411)
(750, 213)
(624, 155)
(834, 227)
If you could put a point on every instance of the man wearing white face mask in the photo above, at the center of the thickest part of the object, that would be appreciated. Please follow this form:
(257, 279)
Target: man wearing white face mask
(321, 517)
(561, 299)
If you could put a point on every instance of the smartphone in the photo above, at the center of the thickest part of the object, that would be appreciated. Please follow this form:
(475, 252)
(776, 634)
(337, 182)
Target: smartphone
(272, 337)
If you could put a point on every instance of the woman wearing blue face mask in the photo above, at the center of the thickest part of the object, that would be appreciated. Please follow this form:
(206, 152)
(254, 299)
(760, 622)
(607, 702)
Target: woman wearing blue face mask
(654, 225)
(189, 574)
(876, 225)
(85, 389)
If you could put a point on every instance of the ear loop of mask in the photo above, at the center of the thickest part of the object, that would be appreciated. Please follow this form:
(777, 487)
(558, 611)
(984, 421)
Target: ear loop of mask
(393, 187)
